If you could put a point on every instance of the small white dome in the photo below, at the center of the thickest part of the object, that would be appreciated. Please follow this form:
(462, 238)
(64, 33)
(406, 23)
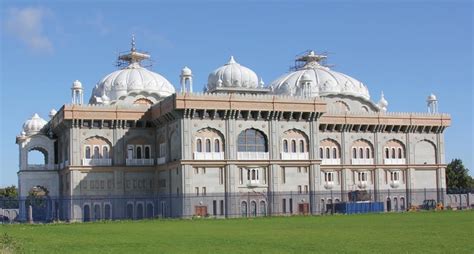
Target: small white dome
(232, 74)
(52, 113)
(132, 80)
(305, 77)
(186, 71)
(76, 85)
(432, 97)
(34, 125)
(324, 81)
(383, 103)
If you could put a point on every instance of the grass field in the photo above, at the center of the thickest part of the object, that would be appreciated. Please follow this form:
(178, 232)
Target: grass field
(423, 232)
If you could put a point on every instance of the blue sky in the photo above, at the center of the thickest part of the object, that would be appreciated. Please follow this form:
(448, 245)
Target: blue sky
(406, 49)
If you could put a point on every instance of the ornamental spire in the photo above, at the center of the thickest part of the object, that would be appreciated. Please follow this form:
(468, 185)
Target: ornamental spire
(133, 58)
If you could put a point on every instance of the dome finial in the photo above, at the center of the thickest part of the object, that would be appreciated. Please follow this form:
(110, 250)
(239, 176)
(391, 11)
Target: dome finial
(133, 43)
(383, 103)
(231, 60)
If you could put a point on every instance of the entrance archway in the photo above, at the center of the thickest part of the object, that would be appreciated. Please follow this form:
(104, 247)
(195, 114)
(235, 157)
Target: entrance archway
(389, 205)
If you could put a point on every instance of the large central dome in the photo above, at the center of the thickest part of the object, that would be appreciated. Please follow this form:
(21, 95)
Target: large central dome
(314, 79)
(132, 83)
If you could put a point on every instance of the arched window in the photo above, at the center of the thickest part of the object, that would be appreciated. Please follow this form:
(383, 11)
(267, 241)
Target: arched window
(328, 154)
(334, 153)
(368, 154)
(198, 145)
(354, 153)
(293, 146)
(88, 152)
(285, 146)
(254, 177)
(96, 152)
(105, 152)
(321, 153)
(217, 146)
(208, 145)
(107, 212)
(139, 211)
(147, 152)
(149, 210)
(139, 152)
(302, 146)
(387, 153)
(243, 209)
(263, 208)
(253, 208)
(129, 211)
(251, 140)
(97, 212)
(361, 153)
(400, 154)
(393, 153)
(87, 213)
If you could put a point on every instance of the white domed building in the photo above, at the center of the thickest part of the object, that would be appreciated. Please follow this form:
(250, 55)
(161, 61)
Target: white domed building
(234, 78)
(310, 139)
(132, 84)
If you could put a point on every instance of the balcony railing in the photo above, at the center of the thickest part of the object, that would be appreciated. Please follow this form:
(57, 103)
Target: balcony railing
(252, 155)
(96, 162)
(362, 161)
(161, 160)
(394, 161)
(294, 156)
(331, 161)
(208, 156)
(140, 162)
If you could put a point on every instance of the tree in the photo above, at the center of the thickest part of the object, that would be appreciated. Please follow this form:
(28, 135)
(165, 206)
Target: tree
(457, 176)
(9, 197)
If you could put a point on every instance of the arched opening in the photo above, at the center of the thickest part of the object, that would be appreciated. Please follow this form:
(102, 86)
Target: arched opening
(129, 211)
(217, 146)
(199, 145)
(140, 211)
(321, 153)
(149, 211)
(96, 152)
(208, 145)
(37, 156)
(263, 208)
(87, 213)
(328, 154)
(389, 205)
(302, 149)
(105, 152)
(252, 140)
(402, 203)
(285, 146)
(88, 152)
(139, 152)
(107, 212)
(395, 204)
(243, 209)
(253, 208)
(323, 206)
(97, 212)
(147, 152)
(293, 146)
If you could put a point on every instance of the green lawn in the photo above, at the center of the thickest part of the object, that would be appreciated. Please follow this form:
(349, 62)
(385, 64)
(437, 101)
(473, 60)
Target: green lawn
(422, 232)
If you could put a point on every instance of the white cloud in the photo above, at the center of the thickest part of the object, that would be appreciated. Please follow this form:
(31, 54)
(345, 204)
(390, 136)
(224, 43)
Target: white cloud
(27, 25)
